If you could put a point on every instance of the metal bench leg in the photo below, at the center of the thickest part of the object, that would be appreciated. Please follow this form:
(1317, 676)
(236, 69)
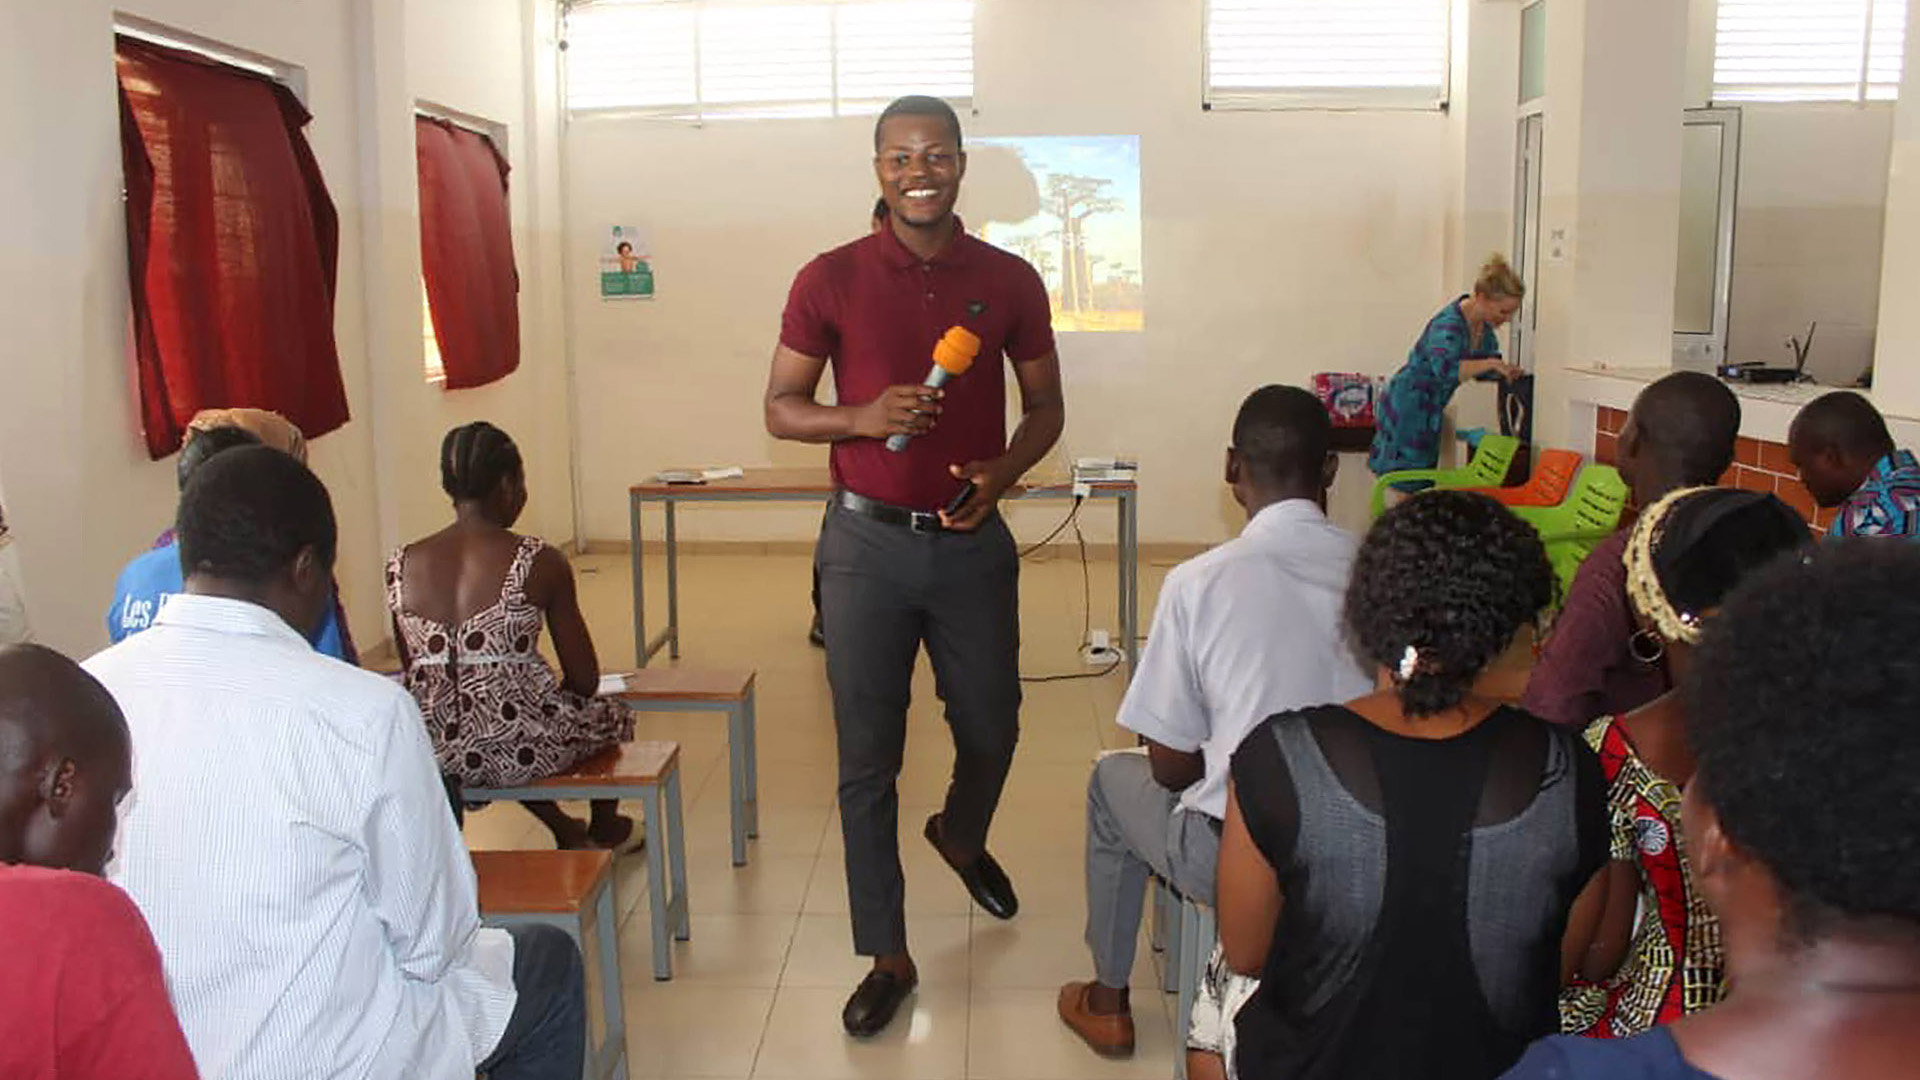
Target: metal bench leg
(1188, 975)
(1199, 932)
(737, 780)
(658, 912)
(1171, 937)
(677, 858)
(611, 1060)
(753, 767)
(1157, 913)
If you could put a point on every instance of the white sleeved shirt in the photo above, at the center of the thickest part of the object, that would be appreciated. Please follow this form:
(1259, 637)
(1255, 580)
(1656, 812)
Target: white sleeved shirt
(289, 842)
(1251, 628)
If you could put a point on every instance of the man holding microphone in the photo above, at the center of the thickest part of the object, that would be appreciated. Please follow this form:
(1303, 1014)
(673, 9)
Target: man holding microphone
(912, 549)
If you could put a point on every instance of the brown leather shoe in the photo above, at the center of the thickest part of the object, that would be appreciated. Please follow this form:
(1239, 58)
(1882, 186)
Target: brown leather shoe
(1110, 1036)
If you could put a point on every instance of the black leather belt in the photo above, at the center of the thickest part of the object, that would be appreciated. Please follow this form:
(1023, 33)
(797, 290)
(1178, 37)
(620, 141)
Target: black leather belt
(919, 521)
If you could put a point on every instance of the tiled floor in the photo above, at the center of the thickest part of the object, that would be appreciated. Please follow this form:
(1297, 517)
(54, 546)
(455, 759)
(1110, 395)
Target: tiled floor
(757, 991)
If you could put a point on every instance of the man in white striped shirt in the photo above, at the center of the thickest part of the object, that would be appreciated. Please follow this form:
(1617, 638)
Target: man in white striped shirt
(288, 838)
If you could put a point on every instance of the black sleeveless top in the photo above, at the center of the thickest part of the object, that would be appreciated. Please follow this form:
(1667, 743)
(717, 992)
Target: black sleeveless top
(1425, 885)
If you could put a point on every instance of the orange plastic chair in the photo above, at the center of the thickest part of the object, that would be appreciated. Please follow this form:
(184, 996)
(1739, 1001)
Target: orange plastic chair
(1552, 478)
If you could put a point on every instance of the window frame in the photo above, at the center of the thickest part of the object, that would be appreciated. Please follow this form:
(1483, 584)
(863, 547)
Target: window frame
(700, 112)
(1307, 99)
(1864, 90)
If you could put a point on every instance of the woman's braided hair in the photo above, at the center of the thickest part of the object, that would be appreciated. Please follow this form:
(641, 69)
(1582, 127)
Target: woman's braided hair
(474, 459)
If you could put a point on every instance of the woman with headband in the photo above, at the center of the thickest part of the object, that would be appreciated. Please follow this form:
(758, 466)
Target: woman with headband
(1686, 553)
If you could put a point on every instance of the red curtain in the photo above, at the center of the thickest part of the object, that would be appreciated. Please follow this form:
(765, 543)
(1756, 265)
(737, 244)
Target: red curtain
(466, 253)
(232, 246)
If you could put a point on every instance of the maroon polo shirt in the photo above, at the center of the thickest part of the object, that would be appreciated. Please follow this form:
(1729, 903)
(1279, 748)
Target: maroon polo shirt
(875, 310)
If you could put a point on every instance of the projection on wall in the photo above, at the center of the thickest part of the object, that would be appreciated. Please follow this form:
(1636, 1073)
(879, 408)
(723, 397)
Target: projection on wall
(1070, 205)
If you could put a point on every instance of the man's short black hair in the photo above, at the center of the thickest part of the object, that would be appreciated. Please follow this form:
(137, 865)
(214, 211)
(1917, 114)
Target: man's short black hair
(247, 513)
(204, 443)
(1689, 421)
(1844, 421)
(918, 105)
(1283, 434)
(1803, 710)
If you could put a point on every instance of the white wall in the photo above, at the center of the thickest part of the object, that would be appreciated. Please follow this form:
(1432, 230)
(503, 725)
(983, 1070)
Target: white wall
(1276, 245)
(82, 495)
(1807, 233)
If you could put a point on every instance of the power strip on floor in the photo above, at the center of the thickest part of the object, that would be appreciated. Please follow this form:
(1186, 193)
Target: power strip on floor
(1099, 650)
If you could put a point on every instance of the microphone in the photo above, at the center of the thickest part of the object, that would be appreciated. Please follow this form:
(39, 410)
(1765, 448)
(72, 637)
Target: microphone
(952, 355)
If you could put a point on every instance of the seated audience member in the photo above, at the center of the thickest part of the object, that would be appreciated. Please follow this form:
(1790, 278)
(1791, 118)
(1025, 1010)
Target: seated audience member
(468, 605)
(150, 579)
(1401, 870)
(1803, 824)
(1244, 631)
(1685, 553)
(83, 997)
(1680, 433)
(290, 842)
(1847, 459)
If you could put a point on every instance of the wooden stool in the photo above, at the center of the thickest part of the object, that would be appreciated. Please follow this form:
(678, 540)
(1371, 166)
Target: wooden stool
(663, 689)
(649, 772)
(564, 889)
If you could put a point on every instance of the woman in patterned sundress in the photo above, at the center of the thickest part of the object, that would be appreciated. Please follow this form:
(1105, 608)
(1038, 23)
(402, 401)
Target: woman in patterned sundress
(1686, 553)
(468, 606)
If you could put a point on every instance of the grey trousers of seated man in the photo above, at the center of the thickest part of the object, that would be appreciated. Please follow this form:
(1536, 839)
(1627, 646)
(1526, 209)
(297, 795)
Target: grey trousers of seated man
(1135, 826)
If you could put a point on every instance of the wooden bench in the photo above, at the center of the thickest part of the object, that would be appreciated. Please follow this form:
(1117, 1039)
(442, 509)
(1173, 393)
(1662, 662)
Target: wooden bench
(663, 689)
(564, 889)
(650, 773)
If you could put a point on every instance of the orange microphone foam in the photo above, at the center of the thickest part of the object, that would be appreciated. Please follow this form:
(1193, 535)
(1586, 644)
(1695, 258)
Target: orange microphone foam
(955, 350)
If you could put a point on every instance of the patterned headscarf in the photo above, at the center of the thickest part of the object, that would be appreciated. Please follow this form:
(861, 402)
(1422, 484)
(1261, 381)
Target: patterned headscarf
(269, 427)
(1694, 546)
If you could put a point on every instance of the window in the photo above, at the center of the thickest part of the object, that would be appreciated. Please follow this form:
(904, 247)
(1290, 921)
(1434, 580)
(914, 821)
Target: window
(431, 366)
(1809, 50)
(232, 245)
(709, 59)
(1308, 54)
(466, 255)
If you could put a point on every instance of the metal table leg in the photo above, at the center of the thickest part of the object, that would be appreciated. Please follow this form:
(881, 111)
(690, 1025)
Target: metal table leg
(673, 586)
(1133, 581)
(638, 561)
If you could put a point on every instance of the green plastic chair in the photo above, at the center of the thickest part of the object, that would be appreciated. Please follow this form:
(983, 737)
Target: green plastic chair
(1589, 515)
(1487, 468)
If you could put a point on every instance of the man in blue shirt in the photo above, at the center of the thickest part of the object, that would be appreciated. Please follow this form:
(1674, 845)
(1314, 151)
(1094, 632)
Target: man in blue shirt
(1847, 459)
(151, 578)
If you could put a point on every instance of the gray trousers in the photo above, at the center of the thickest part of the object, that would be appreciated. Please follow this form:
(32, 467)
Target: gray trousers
(1134, 826)
(884, 591)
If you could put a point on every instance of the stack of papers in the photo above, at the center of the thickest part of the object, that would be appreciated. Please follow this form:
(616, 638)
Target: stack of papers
(699, 476)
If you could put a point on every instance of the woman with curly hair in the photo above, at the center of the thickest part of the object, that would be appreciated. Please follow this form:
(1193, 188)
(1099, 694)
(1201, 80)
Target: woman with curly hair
(1803, 827)
(1400, 870)
(1685, 554)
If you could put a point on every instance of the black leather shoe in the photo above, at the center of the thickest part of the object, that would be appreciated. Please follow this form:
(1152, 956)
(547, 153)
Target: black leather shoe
(985, 881)
(874, 1002)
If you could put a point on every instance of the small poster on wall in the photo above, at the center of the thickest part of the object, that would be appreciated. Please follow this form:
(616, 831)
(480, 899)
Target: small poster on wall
(626, 265)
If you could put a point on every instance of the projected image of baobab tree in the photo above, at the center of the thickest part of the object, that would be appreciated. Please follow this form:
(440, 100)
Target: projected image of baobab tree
(1084, 238)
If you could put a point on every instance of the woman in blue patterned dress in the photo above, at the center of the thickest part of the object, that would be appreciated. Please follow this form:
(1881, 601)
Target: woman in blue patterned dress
(1458, 345)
